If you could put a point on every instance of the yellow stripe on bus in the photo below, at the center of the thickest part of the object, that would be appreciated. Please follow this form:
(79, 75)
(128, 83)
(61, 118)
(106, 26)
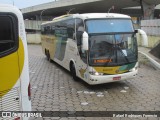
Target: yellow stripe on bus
(110, 70)
(11, 69)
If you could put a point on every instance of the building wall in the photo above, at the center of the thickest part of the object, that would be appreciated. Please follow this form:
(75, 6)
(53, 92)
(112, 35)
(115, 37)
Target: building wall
(34, 38)
(33, 24)
(152, 29)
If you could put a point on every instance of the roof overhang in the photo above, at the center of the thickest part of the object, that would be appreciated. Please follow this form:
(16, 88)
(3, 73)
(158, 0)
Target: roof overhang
(60, 7)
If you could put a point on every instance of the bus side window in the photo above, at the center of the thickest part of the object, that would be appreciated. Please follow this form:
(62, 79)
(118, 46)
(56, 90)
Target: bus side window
(45, 30)
(8, 34)
(48, 30)
(79, 31)
(53, 29)
(42, 30)
(70, 28)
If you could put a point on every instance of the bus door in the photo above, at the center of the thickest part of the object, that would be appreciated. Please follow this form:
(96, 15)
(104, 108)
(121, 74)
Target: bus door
(9, 63)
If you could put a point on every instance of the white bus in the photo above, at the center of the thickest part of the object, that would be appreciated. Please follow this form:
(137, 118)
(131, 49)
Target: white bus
(96, 47)
(14, 74)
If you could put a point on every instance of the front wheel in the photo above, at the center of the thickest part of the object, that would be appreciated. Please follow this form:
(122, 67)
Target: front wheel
(73, 72)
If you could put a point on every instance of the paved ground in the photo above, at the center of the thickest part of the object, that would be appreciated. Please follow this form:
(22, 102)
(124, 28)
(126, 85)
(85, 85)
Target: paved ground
(54, 90)
(146, 51)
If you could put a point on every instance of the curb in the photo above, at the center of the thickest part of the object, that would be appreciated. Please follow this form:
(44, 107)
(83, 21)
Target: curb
(155, 64)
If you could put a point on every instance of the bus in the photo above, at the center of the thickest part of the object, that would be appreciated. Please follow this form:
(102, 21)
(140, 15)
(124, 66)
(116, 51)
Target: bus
(95, 47)
(14, 73)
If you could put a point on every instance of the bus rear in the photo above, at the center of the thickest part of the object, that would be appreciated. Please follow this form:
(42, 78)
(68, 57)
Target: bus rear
(14, 75)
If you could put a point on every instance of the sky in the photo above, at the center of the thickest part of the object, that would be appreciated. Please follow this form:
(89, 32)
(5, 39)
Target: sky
(24, 3)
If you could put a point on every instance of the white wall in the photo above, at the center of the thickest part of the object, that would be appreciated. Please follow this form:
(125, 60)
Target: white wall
(34, 38)
(33, 24)
(151, 27)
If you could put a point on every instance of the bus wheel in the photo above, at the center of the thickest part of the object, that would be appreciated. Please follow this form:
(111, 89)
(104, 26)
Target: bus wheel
(45, 52)
(48, 55)
(73, 71)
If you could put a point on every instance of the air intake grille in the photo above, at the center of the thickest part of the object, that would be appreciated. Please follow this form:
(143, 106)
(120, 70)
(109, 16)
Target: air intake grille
(10, 101)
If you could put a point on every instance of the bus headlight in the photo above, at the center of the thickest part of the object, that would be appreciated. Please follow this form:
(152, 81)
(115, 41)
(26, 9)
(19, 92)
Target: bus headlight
(95, 73)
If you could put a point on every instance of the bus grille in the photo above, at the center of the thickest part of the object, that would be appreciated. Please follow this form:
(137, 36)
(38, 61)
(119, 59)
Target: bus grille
(10, 101)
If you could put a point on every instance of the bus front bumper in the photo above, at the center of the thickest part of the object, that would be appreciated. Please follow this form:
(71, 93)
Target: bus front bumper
(100, 79)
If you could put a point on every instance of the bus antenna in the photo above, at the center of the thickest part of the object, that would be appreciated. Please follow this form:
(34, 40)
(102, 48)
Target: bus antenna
(68, 12)
(112, 8)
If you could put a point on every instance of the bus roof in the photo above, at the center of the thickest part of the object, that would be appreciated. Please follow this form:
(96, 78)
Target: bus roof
(88, 16)
(102, 15)
(11, 9)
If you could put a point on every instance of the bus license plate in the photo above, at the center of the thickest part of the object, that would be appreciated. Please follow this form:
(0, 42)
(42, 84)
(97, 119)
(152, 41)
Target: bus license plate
(117, 78)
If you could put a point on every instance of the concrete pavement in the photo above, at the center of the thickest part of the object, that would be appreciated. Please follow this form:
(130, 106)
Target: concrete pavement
(153, 60)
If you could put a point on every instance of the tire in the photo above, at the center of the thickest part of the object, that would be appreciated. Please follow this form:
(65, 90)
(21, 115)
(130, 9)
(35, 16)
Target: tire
(45, 53)
(48, 56)
(73, 72)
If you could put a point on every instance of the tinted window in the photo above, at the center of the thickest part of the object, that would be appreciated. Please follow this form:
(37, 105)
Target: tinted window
(8, 34)
(53, 29)
(70, 27)
(48, 29)
(65, 27)
(79, 30)
(42, 30)
(112, 50)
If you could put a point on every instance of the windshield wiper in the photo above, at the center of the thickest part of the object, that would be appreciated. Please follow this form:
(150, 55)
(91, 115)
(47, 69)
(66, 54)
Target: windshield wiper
(111, 53)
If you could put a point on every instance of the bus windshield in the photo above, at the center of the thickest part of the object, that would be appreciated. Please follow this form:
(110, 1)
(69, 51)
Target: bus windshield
(111, 42)
(109, 25)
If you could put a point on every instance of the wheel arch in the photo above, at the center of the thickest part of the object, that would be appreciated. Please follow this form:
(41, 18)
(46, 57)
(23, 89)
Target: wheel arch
(72, 62)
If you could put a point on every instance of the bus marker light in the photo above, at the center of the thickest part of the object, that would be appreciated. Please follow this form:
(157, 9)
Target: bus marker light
(29, 91)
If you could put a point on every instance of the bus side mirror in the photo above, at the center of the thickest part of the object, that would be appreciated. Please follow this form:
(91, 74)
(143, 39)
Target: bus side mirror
(143, 37)
(85, 41)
